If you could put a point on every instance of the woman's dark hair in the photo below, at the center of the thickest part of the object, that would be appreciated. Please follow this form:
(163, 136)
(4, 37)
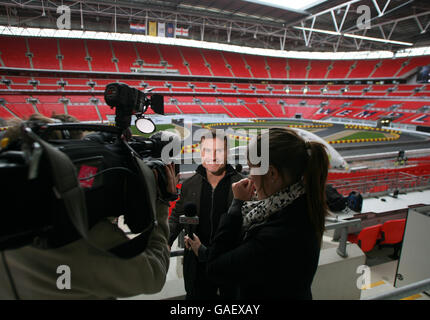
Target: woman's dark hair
(299, 159)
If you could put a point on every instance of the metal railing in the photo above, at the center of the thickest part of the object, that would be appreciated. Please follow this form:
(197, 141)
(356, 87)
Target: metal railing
(382, 184)
(343, 225)
(403, 292)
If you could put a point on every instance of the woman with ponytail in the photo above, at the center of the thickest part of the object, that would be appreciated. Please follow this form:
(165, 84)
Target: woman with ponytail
(269, 247)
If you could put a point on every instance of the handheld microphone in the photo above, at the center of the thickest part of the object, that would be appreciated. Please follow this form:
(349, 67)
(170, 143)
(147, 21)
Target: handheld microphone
(190, 218)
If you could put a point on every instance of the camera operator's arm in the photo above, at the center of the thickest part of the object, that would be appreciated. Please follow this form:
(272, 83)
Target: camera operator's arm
(145, 273)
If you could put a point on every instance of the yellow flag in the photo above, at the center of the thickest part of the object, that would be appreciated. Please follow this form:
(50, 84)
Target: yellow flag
(152, 28)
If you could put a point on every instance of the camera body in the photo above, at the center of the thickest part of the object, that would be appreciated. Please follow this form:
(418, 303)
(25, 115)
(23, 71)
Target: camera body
(129, 101)
(105, 163)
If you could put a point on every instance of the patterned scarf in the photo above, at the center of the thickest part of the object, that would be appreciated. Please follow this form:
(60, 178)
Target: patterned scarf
(256, 212)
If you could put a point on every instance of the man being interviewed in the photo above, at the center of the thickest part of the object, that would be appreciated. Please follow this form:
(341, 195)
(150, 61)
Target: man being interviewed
(210, 190)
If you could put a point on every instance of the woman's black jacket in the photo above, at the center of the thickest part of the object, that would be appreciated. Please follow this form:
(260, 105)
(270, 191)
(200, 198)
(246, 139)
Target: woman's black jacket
(274, 260)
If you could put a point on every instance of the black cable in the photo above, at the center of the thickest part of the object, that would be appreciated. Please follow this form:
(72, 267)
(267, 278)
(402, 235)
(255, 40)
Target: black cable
(106, 170)
(9, 275)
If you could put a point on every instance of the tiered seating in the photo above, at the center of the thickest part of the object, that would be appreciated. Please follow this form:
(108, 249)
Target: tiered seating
(205, 100)
(214, 109)
(413, 64)
(276, 110)
(323, 112)
(357, 113)
(363, 69)
(125, 53)
(47, 98)
(20, 83)
(245, 89)
(13, 52)
(52, 83)
(217, 63)
(171, 109)
(172, 55)
(203, 87)
(184, 100)
(314, 102)
(258, 66)
(191, 109)
(384, 104)
(155, 84)
(356, 88)
(195, 61)
(148, 52)
(73, 52)
(259, 110)
(101, 56)
(340, 69)
(104, 111)
(399, 116)
(22, 110)
(318, 69)
(377, 90)
(48, 109)
(315, 89)
(5, 114)
(83, 113)
(237, 64)
(413, 105)
(389, 68)
(44, 52)
(421, 119)
(240, 111)
(337, 103)
(277, 67)
(297, 68)
(305, 112)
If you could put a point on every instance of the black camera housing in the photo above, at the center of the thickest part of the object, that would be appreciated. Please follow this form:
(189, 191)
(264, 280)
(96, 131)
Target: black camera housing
(39, 217)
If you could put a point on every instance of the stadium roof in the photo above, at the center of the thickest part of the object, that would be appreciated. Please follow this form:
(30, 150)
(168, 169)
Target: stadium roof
(316, 25)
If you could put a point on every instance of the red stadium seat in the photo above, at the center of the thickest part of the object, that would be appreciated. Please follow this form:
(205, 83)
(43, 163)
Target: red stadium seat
(392, 231)
(367, 237)
(392, 235)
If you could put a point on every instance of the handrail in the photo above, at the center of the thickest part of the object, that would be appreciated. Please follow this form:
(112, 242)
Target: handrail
(177, 253)
(343, 226)
(403, 292)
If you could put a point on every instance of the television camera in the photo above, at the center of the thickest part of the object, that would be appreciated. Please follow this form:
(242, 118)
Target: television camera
(58, 189)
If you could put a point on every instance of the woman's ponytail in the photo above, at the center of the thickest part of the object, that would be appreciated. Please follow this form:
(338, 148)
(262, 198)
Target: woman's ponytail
(315, 176)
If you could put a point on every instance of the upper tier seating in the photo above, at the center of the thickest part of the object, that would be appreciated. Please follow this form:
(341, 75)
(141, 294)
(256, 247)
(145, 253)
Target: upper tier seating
(14, 52)
(74, 55)
(237, 64)
(257, 65)
(118, 56)
(195, 61)
(44, 53)
(101, 55)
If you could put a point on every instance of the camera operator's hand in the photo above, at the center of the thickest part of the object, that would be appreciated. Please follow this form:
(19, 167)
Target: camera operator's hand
(172, 179)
